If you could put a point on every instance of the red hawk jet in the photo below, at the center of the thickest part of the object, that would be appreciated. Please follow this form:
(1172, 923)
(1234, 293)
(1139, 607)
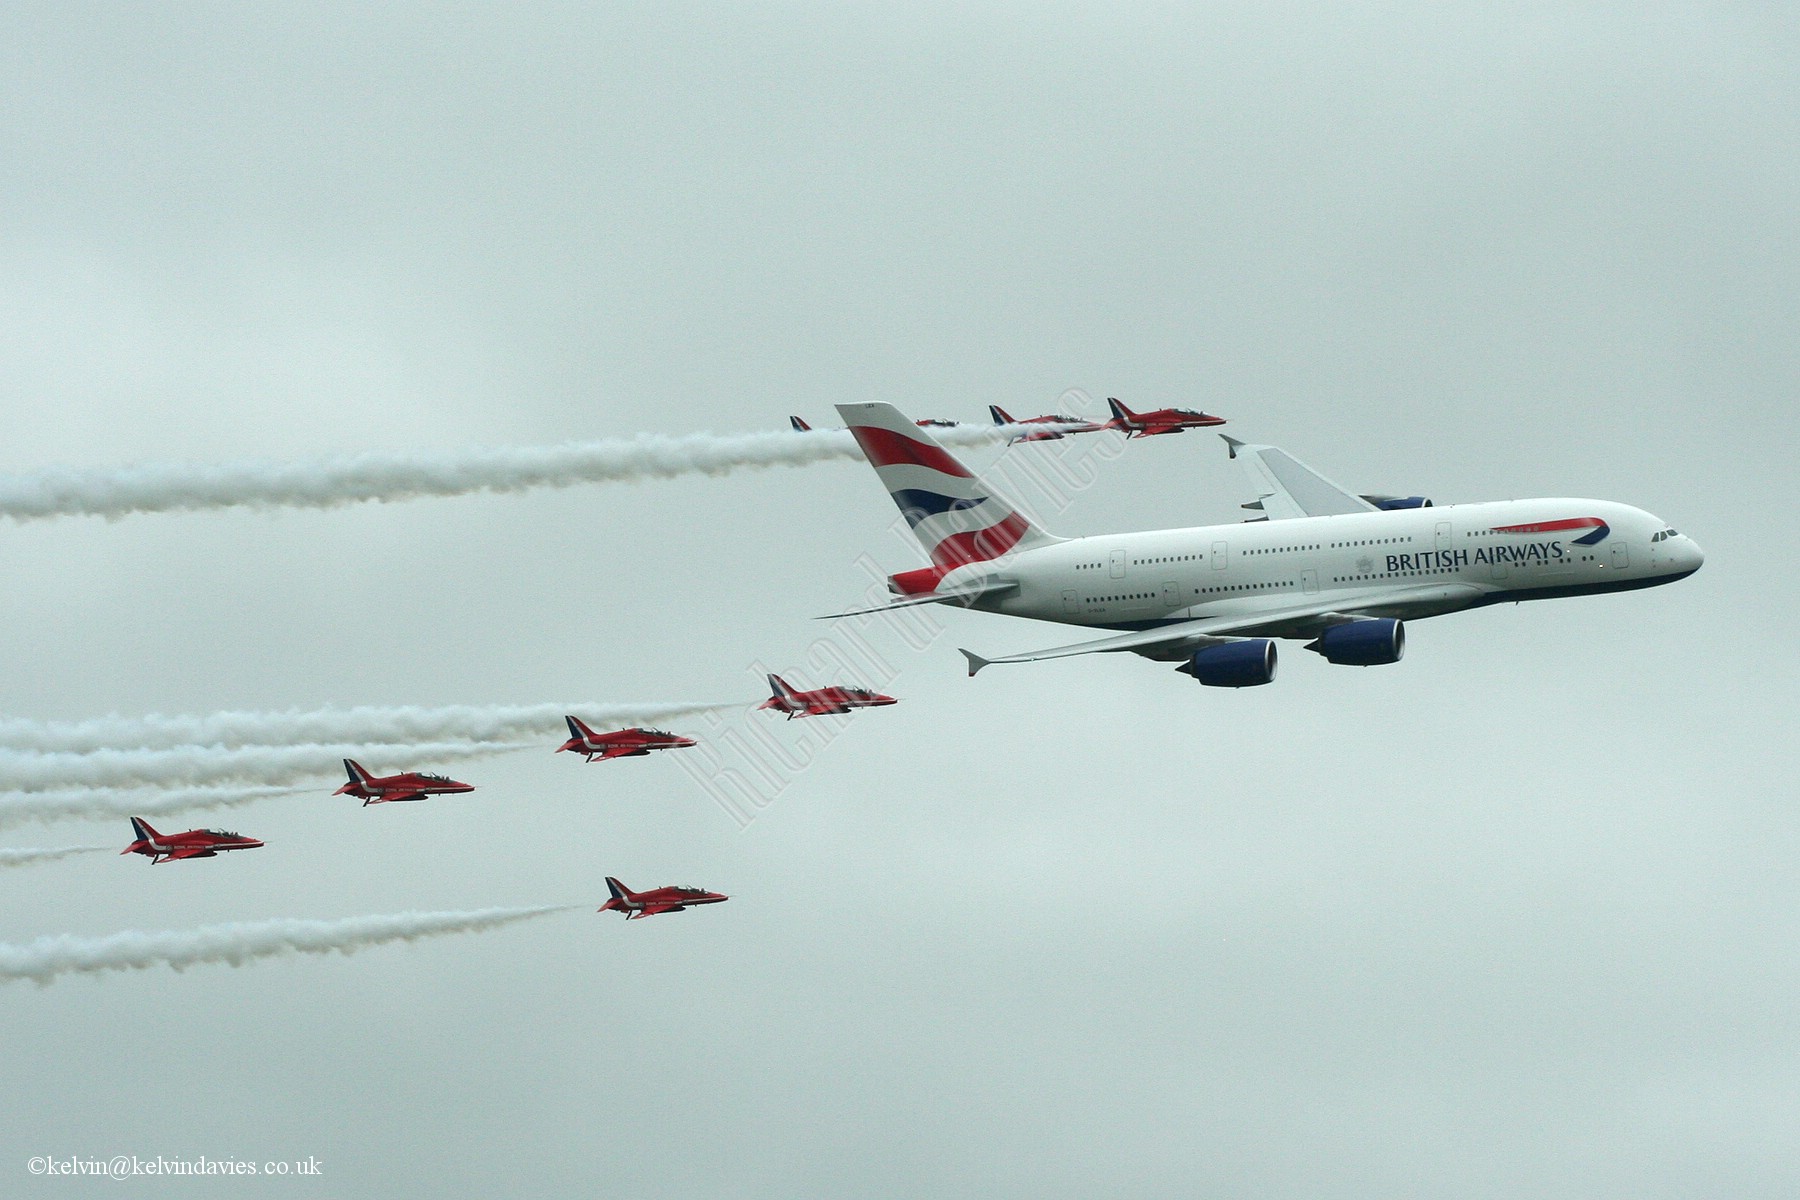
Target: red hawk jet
(195, 843)
(820, 700)
(1163, 420)
(625, 743)
(389, 789)
(1075, 425)
(656, 900)
(924, 423)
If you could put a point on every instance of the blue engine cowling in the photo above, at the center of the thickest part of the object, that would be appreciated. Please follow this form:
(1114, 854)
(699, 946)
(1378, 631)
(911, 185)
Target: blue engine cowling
(1362, 643)
(1249, 663)
(1390, 503)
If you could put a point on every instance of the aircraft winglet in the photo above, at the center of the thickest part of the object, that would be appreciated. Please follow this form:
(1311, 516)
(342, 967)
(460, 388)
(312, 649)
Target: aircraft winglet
(976, 662)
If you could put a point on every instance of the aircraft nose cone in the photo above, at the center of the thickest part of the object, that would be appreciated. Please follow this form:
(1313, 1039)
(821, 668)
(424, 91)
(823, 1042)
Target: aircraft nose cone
(1685, 555)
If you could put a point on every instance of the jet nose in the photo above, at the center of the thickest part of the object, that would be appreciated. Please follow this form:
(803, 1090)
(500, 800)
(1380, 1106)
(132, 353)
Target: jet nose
(1689, 554)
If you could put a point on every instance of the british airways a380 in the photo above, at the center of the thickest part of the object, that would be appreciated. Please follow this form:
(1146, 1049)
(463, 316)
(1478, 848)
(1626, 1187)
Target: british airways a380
(1337, 570)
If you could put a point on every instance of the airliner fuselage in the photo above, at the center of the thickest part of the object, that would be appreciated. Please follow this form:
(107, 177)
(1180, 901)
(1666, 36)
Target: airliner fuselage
(1472, 554)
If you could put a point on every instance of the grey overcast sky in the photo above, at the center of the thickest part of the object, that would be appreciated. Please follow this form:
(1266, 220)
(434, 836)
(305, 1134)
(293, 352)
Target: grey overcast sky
(1514, 917)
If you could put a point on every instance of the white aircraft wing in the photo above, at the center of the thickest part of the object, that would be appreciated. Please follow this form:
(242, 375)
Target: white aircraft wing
(964, 596)
(1423, 599)
(1288, 488)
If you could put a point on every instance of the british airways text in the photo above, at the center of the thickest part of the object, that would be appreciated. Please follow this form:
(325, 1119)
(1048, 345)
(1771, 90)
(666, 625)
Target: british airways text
(1429, 560)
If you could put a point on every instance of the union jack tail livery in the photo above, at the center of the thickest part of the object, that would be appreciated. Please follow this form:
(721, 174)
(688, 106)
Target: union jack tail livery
(780, 691)
(956, 517)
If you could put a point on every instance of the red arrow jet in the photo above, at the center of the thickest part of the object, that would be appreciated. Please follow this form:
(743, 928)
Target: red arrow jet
(195, 843)
(656, 900)
(625, 743)
(925, 422)
(820, 700)
(1077, 425)
(388, 789)
(1163, 420)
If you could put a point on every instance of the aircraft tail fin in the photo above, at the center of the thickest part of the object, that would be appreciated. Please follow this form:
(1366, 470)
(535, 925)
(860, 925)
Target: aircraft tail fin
(1000, 415)
(619, 891)
(1119, 411)
(799, 425)
(779, 689)
(577, 728)
(355, 770)
(956, 516)
(142, 829)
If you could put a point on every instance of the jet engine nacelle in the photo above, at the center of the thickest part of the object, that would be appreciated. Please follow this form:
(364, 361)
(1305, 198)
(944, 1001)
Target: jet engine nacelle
(1249, 663)
(1389, 503)
(1362, 643)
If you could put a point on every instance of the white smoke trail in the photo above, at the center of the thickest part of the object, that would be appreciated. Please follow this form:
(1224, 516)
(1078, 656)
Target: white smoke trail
(23, 858)
(327, 483)
(43, 959)
(16, 808)
(367, 725)
(191, 766)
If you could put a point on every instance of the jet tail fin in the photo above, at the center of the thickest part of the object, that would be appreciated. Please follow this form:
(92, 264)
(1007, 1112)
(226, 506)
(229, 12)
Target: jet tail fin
(1119, 411)
(577, 729)
(355, 770)
(619, 891)
(1000, 415)
(142, 829)
(799, 425)
(957, 517)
